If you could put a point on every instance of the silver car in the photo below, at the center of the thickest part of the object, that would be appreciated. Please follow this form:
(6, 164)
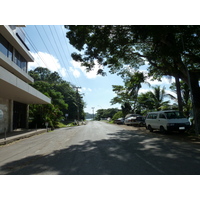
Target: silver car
(135, 120)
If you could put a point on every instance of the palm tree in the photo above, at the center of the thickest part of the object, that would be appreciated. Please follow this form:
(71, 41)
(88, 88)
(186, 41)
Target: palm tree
(157, 96)
(127, 95)
(133, 83)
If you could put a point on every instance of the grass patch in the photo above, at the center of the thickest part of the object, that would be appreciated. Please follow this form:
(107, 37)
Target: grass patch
(61, 125)
(71, 124)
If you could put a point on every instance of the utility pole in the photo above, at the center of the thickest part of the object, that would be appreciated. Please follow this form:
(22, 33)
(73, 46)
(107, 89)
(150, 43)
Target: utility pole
(93, 112)
(77, 102)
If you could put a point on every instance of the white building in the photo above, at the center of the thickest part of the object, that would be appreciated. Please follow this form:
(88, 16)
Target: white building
(15, 92)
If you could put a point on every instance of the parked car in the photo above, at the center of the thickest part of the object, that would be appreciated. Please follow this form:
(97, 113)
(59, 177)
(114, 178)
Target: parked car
(131, 115)
(135, 120)
(119, 121)
(168, 120)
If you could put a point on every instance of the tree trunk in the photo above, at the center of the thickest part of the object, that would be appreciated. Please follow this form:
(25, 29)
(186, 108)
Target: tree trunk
(178, 90)
(195, 93)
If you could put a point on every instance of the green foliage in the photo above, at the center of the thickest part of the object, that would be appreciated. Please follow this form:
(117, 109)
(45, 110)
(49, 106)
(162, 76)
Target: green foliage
(117, 115)
(127, 95)
(64, 99)
(170, 50)
(45, 113)
(145, 102)
(153, 100)
(158, 96)
(105, 113)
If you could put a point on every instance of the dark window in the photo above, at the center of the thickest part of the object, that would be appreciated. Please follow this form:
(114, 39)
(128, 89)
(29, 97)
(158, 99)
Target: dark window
(152, 116)
(6, 48)
(149, 116)
(20, 61)
(161, 115)
(174, 115)
(17, 58)
(23, 64)
(10, 52)
(4, 45)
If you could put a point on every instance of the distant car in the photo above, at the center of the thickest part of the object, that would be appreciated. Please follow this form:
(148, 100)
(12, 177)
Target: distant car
(119, 121)
(137, 120)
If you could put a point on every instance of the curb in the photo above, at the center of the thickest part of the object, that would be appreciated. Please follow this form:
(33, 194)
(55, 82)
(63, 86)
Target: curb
(21, 136)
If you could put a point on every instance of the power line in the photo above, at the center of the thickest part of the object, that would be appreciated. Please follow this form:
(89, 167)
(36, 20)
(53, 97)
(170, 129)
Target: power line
(47, 48)
(63, 49)
(76, 81)
(75, 98)
(59, 52)
(67, 49)
(34, 48)
(49, 41)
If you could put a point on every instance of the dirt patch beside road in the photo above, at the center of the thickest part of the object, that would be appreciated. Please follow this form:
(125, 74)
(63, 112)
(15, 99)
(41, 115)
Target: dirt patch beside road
(185, 137)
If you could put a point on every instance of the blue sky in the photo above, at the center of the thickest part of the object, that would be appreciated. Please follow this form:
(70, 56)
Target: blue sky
(51, 49)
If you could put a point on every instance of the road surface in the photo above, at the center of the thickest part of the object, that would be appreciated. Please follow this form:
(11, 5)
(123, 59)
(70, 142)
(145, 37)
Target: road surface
(99, 148)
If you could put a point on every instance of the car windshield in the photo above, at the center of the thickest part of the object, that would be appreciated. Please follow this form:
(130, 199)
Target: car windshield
(174, 115)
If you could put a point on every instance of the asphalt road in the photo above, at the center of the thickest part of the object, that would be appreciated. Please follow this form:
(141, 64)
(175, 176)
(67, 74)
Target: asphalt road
(99, 148)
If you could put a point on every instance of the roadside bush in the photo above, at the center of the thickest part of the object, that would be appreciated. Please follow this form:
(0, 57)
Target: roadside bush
(117, 115)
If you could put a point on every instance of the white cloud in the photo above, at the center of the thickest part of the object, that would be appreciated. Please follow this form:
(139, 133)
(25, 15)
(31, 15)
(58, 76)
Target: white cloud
(91, 74)
(42, 59)
(143, 90)
(84, 89)
(164, 81)
(76, 73)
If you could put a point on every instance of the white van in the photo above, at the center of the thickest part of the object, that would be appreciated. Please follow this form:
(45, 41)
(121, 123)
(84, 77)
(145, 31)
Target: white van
(167, 120)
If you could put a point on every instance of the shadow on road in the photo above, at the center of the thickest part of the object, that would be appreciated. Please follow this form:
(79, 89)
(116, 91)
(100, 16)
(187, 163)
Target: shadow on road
(125, 152)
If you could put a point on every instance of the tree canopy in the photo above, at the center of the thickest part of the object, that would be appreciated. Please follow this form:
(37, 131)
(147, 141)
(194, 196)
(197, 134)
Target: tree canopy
(106, 113)
(64, 99)
(169, 50)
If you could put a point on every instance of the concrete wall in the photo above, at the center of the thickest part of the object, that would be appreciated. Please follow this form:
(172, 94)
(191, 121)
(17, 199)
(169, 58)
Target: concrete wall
(14, 88)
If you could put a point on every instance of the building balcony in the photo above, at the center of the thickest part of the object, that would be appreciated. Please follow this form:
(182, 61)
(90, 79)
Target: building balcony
(14, 88)
(9, 65)
(16, 41)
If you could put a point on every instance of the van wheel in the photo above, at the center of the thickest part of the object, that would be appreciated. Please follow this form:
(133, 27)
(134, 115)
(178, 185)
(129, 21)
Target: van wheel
(150, 129)
(162, 130)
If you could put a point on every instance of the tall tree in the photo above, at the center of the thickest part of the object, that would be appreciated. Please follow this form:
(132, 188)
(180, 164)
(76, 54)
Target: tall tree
(185, 97)
(133, 83)
(63, 96)
(170, 50)
(127, 94)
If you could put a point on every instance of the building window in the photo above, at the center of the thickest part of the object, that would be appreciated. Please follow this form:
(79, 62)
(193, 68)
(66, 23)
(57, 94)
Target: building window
(6, 48)
(23, 64)
(10, 52)
(20, 61)
(4, 44)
